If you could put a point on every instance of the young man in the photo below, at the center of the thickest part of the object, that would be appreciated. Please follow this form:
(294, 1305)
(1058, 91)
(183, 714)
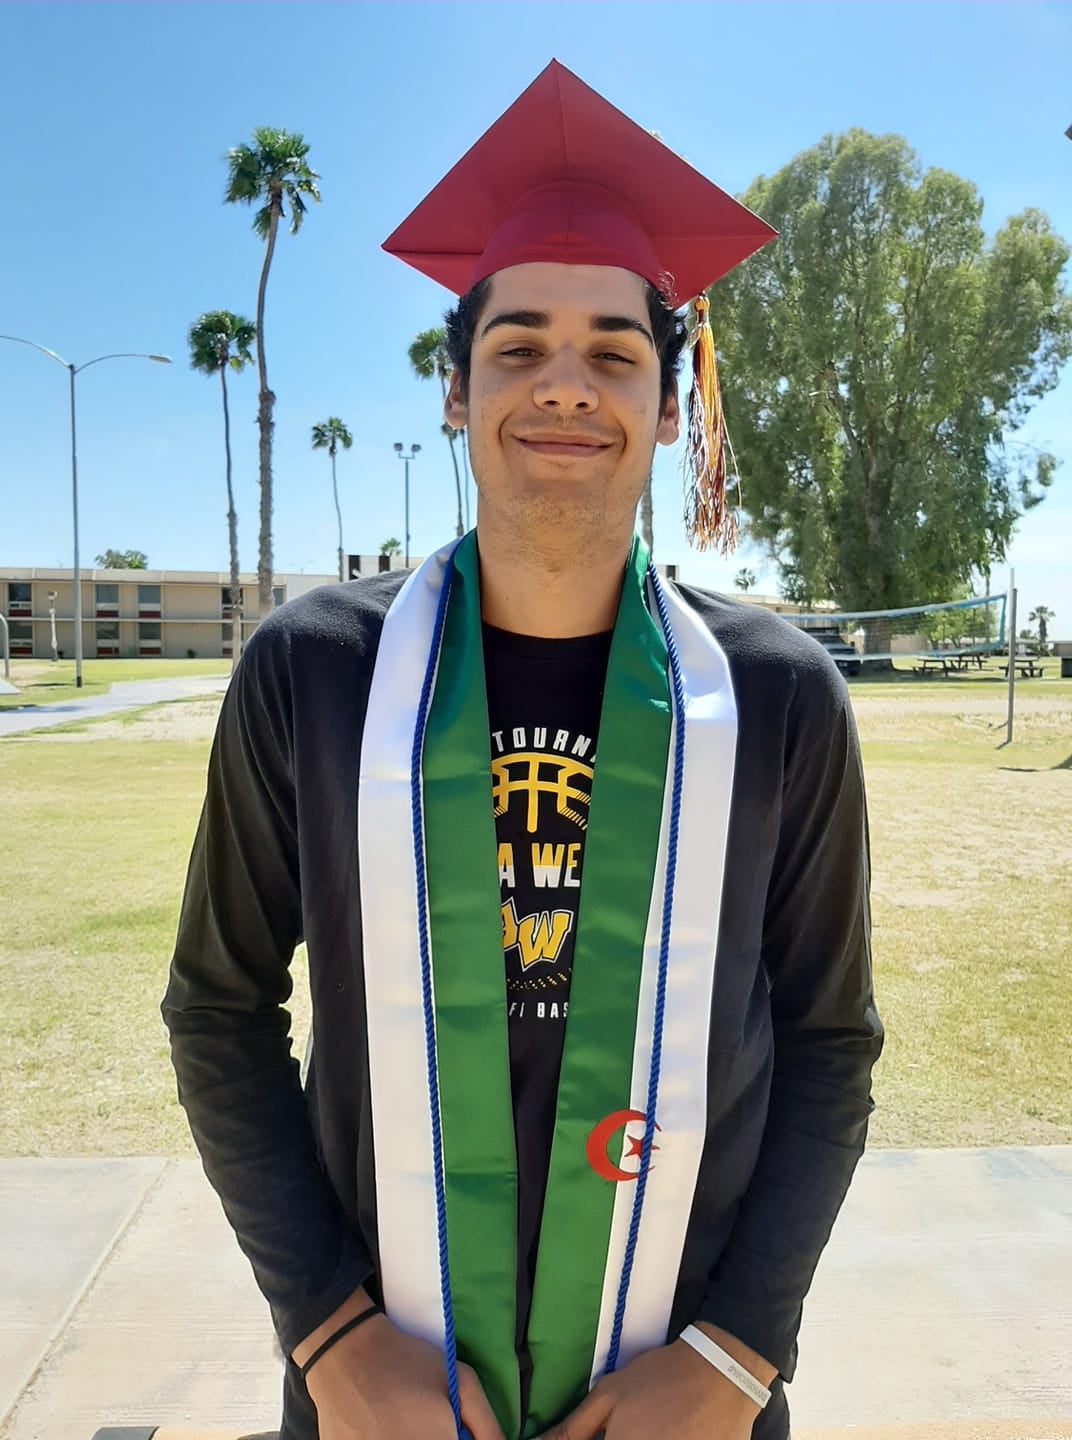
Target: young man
(580, 860)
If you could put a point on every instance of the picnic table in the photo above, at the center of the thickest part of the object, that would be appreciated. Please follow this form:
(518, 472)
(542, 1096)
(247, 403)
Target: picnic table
(1027, 666)
(948, 662)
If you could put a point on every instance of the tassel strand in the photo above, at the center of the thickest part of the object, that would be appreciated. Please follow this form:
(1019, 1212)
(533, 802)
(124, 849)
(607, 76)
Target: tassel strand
(710, 521)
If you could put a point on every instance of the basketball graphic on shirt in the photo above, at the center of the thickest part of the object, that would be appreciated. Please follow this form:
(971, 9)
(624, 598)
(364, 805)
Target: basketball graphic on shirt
(541, 785)
(534, 775)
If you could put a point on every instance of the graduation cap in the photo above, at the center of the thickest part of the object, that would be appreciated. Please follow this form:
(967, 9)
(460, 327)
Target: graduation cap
(564, 176)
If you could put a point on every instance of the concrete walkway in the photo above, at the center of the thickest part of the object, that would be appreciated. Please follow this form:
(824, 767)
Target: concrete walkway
(127, 695)
(945, 1295)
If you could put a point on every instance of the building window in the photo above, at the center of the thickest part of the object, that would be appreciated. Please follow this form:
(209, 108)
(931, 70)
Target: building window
(279, 594)
(225, 599)
(226, 636)
(20, 636)
(149, 637)
(108, 637)
(19, 598)
(149, 602)
(108, 601)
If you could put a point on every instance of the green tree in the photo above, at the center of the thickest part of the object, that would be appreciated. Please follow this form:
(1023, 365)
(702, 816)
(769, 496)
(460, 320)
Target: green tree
(1041, 616)
(875, 360)
(390, 547)
(329, 435)
(220, 341)
(122, 560)
(744, 580)
(271, 173)
(429, 360)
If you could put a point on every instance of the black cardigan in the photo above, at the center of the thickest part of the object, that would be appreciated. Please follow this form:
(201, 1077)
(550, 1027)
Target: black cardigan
(794, 1030)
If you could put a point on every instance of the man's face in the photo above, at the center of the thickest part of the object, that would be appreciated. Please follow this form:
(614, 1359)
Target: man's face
(563, 407)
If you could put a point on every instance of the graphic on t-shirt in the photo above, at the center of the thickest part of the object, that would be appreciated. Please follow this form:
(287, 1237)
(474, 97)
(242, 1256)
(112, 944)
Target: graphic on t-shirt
(541, 790)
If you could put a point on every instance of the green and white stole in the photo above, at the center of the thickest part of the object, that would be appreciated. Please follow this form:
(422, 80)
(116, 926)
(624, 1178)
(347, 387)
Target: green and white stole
(644, 964)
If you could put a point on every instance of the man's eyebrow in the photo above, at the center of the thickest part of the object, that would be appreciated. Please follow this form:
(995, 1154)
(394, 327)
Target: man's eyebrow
(541, 320)
(607, 324)
(523, 319)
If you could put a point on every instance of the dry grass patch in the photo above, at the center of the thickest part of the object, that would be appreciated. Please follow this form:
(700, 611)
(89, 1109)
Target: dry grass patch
(192, 721)
(972, 850)
(98, 838)
(972, 860)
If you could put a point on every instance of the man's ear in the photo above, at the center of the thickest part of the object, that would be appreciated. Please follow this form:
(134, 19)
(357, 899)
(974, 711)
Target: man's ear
(669, 426)
(455, 406)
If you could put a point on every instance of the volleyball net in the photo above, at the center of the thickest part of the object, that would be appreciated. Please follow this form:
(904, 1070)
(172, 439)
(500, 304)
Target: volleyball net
(971, 628)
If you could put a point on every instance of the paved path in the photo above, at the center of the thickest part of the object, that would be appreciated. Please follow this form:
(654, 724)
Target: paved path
(127, 695)
(944, 1295)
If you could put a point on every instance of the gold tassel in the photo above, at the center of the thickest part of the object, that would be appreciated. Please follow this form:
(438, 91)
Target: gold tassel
(710, 522)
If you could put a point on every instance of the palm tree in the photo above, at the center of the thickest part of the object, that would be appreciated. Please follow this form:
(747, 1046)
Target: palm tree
(744, 580)
(329, 436)
(219, 341)
(463, 436)
(390, 547)
(1041, 616)
(429, 358)
(271, 171)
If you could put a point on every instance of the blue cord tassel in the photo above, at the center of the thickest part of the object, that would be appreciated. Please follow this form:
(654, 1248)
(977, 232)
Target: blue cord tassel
(417, 799)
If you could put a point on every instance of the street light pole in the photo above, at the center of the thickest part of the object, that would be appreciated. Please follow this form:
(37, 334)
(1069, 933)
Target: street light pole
(414, 451)
(77, 564)
(74, 370)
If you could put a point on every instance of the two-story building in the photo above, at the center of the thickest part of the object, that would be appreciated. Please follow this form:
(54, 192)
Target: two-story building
(176, 614)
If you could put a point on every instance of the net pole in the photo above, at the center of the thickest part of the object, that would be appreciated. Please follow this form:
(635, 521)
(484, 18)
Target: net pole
(1012, 655)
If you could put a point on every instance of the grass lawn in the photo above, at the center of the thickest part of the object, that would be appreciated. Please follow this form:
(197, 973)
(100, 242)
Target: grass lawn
(39, 682)
(972, 859)
(972, 873)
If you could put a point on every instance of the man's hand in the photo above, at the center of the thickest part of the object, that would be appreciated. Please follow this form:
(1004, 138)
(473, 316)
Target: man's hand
(377, 1383)
(672, 1391)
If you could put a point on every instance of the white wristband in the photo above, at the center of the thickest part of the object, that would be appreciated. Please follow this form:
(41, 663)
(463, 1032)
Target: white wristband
(716, 1356)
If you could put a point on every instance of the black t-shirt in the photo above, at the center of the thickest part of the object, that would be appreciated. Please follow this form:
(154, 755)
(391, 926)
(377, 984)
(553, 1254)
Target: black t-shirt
(544, 702)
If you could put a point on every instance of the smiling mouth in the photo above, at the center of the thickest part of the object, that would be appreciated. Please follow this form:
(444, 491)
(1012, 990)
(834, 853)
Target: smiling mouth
(562, 447)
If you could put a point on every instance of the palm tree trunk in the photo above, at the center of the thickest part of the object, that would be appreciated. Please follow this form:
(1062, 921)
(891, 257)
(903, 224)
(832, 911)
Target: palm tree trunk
(452, 435)
(232, 534)
(451, 440)
(266, 425)
(338, 512)
(463, 435)
(645, 516)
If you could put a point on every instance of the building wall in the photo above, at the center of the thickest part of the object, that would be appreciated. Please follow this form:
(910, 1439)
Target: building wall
(190, 617)
(127, 613)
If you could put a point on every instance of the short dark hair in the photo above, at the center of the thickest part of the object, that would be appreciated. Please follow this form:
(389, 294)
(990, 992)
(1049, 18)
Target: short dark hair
(667, 328)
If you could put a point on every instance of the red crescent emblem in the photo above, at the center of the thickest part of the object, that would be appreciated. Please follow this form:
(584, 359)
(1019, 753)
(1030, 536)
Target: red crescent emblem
(596, 1146)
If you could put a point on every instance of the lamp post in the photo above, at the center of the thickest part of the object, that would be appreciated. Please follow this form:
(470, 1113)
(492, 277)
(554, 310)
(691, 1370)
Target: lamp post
(414, 451)
(74, 370)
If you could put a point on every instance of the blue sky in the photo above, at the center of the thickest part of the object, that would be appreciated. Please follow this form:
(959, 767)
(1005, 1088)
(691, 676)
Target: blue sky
(116, 237)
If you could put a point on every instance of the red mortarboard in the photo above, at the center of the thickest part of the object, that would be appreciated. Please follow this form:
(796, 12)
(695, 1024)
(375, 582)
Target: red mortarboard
(564, 176)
